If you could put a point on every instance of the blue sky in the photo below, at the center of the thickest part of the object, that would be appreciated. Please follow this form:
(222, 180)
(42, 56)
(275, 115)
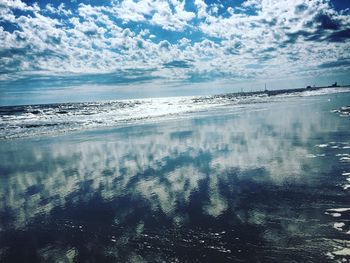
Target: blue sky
(71, 50)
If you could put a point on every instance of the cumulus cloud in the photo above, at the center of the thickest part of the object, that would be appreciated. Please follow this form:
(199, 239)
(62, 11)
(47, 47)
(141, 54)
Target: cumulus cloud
(170, 15)
(259, 39)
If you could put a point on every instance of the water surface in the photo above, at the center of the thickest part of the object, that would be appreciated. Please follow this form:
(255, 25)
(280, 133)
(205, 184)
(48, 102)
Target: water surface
(265, 182)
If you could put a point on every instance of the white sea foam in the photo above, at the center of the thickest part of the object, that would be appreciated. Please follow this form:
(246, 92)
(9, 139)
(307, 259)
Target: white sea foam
(338, 210)
(315, 155)
(342, 252)
(339, 226)
(333, 214)
(322, 145)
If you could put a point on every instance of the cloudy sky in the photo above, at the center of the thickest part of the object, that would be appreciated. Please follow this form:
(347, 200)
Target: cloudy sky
(87, 50)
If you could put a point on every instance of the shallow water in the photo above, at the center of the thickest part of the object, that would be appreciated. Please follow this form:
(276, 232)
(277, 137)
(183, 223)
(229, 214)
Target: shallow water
(265, 182)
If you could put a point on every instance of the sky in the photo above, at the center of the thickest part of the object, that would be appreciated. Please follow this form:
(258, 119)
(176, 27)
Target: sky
(57, 51)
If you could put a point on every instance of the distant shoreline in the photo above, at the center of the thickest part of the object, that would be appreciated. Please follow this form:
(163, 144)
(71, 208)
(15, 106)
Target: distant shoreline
(195, 97)
(282, 91)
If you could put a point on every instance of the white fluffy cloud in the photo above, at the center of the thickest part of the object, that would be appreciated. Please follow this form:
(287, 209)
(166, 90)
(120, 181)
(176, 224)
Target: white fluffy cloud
(259, 39)
(170, 15)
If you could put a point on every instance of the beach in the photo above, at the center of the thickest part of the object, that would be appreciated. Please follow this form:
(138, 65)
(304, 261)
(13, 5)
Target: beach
(266, 180)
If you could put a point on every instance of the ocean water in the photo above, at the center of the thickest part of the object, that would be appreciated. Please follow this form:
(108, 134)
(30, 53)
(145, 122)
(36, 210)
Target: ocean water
(35, 120)
(229, 182)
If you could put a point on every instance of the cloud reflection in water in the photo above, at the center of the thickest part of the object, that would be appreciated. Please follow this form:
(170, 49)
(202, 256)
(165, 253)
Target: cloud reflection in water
(201, 172)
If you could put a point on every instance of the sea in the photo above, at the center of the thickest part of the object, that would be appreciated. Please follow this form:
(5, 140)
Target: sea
(251, 178)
